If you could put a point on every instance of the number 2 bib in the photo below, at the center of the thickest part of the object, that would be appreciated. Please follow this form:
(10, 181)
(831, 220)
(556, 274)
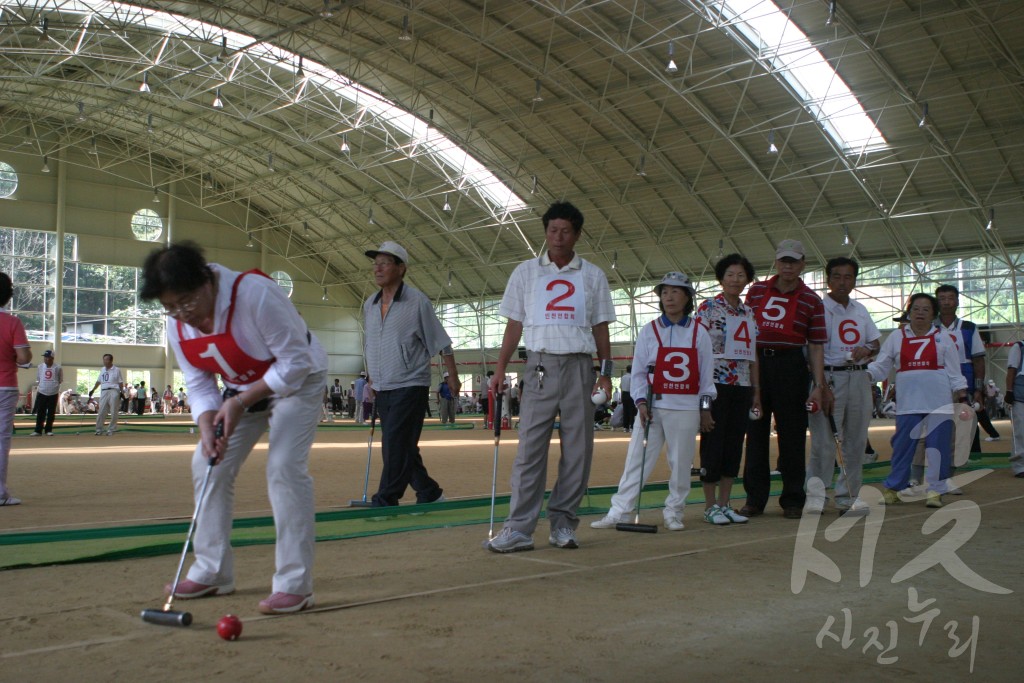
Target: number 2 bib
(919, 353)
(676, 370)
(560, 299)
(220, 354)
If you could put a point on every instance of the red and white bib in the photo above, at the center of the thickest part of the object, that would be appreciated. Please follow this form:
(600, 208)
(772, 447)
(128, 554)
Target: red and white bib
(776, 315)
(919, 353)
(220, 354)
(560, 299)
(676, 370)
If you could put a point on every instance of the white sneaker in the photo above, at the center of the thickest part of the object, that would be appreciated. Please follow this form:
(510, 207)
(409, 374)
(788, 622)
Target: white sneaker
(733, 516)
(814, 506)
(715, 515)
(993, 438)
(509, 541)
(563, 537)
(673, 524)
(607, 522)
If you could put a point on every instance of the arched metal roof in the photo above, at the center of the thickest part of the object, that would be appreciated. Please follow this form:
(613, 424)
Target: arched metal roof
(553, 99)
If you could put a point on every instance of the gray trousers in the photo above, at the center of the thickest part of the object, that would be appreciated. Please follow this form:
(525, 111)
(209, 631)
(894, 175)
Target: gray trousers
(565, 396)
(852, 412)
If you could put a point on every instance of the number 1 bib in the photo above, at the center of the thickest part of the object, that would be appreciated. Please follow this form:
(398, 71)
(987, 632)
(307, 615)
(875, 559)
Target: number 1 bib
(560, 299)
(220, 354)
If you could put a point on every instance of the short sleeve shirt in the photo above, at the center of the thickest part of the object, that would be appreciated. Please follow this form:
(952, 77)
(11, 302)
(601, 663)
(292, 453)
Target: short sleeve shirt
(713, 314)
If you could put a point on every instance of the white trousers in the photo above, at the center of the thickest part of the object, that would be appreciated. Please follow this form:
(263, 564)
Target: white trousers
(676, 429)
(110, 403)
(852, 413)
(292, 421)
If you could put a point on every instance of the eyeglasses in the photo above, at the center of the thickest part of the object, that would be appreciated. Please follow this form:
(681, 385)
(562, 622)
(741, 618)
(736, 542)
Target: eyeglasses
(184, 306)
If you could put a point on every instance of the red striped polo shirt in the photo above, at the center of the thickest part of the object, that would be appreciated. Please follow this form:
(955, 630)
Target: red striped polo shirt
(808, 315)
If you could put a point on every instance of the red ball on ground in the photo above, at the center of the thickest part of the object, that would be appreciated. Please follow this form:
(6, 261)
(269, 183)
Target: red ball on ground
(229, 627)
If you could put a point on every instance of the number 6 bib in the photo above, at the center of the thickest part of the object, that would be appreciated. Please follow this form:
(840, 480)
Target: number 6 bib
(560, 299)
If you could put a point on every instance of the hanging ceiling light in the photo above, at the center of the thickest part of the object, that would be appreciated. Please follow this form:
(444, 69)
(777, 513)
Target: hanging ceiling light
(92, 148)
(46, 164)
(81, 111)
(345, 149)
(831, 13)
(533, 190)
(305, 228)
(721, 248)
(671, 68)
(991, 219)
(145, 83)
(369, 216)
(223, 55)
(615, 260)
(449, 277)
(218, 103)
(447, 208)
(149, 123)
(536, 91)
(156, 196)
(405, 34)
(772, 149)
(28, 137)
(270, 162)
(324, 297)
(250, 243)
(45, 35)
(641, 168)
(326, 12)
(299, 73)
(208, 181)
(846, 236)
(923, 123)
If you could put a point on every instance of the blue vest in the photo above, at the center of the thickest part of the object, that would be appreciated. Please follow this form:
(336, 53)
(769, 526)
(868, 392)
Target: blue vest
(1018, 381)
(967, 369)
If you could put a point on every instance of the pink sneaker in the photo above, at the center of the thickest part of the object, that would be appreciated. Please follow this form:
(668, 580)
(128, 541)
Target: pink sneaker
(286, 603)
(189, 589)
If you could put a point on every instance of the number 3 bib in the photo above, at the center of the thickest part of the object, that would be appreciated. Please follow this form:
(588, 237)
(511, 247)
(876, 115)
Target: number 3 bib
(220, 354)
(676, 370)
(560, 299)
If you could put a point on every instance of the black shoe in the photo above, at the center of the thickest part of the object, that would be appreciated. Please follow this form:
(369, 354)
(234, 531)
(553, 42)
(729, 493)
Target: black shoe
(792, 513)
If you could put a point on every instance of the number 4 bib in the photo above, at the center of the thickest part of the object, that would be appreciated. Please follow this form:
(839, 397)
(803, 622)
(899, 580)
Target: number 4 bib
(560, 299)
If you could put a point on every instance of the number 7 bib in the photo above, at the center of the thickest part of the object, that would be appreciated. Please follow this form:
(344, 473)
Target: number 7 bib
(560, 299)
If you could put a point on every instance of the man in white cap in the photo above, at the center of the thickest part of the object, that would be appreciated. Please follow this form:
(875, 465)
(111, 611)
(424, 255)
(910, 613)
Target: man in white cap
(790, 318)
(50, 376)
(560, 305)
(402, 334)
(445, 401)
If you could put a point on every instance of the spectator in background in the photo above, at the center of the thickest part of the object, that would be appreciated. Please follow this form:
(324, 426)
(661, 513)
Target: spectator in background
(110, 383)
(49, 377)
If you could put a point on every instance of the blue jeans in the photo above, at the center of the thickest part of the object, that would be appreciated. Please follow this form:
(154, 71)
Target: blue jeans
(401, 413)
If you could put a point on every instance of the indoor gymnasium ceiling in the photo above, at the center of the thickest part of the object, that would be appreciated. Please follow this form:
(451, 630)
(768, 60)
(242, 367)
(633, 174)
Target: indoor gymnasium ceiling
(550, 100)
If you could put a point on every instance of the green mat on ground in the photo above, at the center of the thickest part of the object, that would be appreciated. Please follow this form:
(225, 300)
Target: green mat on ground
(31, 549)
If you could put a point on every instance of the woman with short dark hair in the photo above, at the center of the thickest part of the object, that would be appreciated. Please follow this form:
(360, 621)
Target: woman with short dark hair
(242, 327)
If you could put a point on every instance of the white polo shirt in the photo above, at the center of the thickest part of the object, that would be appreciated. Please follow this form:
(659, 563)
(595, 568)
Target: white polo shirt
(848, 327)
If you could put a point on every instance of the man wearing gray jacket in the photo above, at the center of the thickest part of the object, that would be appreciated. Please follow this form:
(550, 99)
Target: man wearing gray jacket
(402, 334)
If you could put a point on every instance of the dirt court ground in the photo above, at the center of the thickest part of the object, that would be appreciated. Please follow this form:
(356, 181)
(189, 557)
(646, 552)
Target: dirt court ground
(910, 594)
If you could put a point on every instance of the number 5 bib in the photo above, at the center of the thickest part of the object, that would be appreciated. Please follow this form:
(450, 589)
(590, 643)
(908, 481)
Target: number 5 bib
(560, 299)
(676, 370)
(220, 354)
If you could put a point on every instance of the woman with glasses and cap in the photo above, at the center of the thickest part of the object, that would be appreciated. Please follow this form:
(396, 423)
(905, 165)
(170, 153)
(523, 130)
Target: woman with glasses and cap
(673, 385)
(242, 327)
(733, 333)
(927, 375)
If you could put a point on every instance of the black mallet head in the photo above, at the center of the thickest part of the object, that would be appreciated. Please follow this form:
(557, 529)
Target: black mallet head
(166, 617)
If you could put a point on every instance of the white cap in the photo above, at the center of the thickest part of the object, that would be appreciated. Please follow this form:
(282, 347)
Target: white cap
(391, 249)
(674, 279)
(790, 249)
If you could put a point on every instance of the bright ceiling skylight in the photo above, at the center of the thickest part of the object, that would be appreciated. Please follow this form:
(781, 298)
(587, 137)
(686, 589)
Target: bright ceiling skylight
(462, 169)
(785, 49)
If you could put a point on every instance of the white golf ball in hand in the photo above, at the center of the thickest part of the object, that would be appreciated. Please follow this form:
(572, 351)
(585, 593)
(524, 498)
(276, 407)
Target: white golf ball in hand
(599, 397)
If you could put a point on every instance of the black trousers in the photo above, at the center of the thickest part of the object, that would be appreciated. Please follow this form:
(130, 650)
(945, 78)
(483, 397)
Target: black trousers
(46, 408)
(401, 413)
(721, 449)
(784, 383)
(628, 410)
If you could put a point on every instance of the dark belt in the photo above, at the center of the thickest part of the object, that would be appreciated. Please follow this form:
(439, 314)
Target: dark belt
(257, 407)
(110, 389)
(770, 351)
(845, 368)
